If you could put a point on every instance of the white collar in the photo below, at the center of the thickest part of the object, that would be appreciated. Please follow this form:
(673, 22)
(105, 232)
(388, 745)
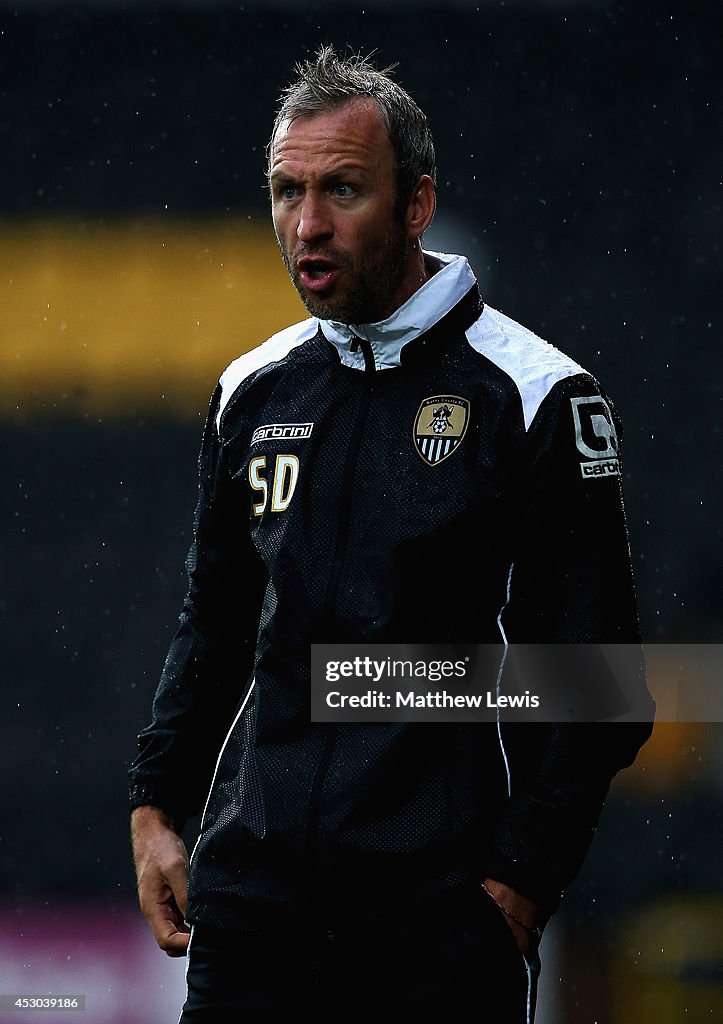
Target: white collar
(422, 310)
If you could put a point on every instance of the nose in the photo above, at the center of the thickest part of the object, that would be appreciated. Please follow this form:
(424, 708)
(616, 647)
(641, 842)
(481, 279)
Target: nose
(315, 222)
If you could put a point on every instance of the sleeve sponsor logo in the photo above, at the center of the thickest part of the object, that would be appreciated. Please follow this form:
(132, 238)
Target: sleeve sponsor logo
(282, 432)
(440, 425)
(595, 436)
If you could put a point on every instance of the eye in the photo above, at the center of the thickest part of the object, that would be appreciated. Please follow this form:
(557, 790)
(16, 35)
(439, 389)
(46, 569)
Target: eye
(344, 190)
(284, 191)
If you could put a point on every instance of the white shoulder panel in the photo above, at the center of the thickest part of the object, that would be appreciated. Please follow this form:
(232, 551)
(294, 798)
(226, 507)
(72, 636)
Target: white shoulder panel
(533, 364)
(277, 346)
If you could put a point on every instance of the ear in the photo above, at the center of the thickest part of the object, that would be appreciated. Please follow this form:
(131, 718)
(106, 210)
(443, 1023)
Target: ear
(422, 205)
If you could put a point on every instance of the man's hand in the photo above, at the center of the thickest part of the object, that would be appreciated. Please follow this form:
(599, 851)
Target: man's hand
(161, 862)
(519, 907)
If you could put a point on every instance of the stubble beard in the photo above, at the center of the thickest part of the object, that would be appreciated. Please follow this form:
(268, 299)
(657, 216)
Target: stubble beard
(374, 281)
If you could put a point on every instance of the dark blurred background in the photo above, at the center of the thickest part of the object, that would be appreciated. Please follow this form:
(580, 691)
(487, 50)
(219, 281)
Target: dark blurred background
(579, 154)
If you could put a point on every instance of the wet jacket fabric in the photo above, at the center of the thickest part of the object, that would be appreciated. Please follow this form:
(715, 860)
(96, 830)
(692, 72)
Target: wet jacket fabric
(443, 477)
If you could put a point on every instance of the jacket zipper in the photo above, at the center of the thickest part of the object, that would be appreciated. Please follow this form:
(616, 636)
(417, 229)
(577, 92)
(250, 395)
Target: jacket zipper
(332, 590)
(352, 457)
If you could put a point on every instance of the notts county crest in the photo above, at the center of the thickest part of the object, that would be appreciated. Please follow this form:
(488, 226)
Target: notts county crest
(440, 426)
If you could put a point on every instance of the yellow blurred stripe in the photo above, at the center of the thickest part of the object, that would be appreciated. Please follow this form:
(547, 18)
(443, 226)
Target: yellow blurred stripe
(133, 315)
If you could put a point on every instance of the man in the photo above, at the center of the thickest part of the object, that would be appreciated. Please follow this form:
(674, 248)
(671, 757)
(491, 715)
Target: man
(407, 435)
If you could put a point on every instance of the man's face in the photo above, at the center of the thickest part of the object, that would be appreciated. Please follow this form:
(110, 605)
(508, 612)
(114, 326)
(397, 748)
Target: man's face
(333, 196)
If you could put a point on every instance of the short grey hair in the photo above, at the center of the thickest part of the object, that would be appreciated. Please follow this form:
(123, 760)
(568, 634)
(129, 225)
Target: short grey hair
(330, 80)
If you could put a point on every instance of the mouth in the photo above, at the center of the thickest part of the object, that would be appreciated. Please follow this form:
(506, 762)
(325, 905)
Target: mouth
(316, 273)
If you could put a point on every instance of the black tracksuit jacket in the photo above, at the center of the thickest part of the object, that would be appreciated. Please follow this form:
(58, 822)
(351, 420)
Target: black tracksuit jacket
(445, 477)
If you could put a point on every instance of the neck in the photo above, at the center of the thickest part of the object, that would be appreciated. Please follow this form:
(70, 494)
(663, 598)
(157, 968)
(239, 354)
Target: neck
(418, 272)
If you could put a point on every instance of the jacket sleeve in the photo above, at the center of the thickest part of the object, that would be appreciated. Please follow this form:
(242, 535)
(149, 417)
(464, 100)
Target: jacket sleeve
(571, 582)
(208, 667)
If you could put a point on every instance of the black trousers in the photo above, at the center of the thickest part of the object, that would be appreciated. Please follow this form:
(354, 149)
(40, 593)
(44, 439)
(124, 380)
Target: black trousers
(456, 955)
